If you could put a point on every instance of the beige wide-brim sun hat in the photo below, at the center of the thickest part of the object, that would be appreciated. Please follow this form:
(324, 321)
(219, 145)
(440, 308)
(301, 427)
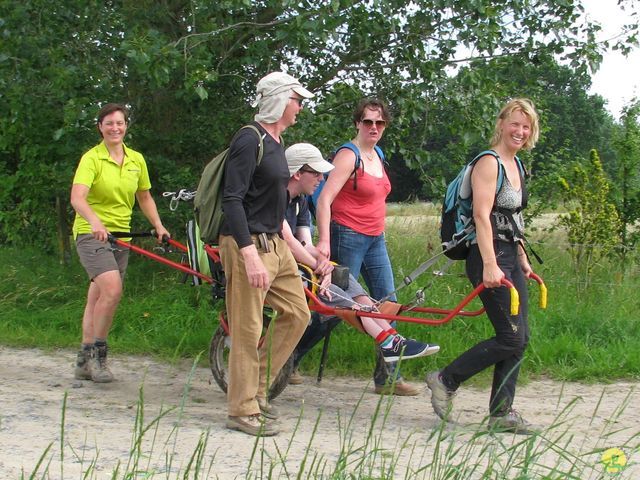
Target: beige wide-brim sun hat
(301, 154)
(272, 95)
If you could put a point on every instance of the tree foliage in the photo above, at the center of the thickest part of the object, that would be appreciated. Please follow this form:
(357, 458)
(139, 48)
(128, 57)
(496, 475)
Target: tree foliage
(188, 69)
(626, 173)
(592, 222)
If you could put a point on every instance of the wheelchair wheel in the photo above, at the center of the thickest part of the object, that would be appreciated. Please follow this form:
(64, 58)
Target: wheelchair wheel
(219, 362)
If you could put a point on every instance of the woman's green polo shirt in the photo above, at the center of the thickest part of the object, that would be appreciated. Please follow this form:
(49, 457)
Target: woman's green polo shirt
(112, 188)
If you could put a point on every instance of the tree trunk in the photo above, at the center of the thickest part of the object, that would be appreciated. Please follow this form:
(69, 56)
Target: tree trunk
(64, 245)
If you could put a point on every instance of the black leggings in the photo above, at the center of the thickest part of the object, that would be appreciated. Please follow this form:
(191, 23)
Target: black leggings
(505, 350)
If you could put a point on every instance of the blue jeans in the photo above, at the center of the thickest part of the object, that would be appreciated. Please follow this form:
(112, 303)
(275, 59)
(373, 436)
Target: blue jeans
(367, 256)
(364, 255)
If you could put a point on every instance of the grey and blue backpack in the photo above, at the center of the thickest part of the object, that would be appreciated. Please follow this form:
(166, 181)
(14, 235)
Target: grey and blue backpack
(457, 228)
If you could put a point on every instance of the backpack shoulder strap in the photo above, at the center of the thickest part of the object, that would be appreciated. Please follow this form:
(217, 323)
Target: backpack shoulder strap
(260, 141)
(523, 186)
(351, 146)
(356, 164)
(495, 155)
(521, 166)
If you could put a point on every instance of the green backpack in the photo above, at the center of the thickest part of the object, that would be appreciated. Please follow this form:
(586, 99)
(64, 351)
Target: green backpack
(208, 199)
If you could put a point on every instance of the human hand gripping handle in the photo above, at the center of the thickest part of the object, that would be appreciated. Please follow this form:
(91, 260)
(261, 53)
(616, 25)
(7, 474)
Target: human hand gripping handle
(99, 231)
(161, 233)
(323, 266)
(492, 275)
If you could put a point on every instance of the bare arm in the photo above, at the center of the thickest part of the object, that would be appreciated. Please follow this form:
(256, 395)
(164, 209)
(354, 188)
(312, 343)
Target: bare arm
(79, 194)
(483, 184)
(308, 256)
(300, 253)
(148, 207)
(343, 162)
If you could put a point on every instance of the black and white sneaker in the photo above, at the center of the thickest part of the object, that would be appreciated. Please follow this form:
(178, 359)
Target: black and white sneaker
(406, 348)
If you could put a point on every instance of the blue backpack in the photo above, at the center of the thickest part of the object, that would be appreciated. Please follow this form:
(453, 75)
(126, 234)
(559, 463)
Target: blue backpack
(313, 199)
(457, 228)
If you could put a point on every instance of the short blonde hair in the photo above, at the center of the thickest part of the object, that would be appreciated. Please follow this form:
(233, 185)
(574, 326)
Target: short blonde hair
(525, 106)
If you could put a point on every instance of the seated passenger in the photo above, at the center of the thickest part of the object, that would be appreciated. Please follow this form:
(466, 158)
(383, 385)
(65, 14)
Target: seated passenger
(306, 168)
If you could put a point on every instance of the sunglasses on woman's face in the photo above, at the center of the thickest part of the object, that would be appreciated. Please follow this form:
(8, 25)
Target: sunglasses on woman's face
(369, 123)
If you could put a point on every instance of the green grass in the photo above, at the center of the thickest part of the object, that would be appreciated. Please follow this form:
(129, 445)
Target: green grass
(588, 333)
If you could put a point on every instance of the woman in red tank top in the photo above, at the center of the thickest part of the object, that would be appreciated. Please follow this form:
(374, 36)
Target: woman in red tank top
(351, 214)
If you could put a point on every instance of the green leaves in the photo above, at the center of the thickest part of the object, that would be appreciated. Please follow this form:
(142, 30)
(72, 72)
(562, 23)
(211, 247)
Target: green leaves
(188, 70)
(592, 222)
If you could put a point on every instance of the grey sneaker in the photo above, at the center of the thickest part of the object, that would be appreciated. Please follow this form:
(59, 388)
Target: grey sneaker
(83, 365)
(100, 372)
(511, 422)
(255, 425)
(441, 396)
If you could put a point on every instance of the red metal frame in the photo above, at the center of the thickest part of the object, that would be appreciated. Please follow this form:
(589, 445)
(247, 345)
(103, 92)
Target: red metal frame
(316, 305)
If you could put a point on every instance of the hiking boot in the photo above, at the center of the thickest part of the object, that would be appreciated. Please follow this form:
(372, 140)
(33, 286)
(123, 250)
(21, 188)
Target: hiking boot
(406, 348)
(255, 425)
(401, 389)
(511, 422)
(100, 372)
(295, 378)
(268, 410)
(83, 365)
(441, 396)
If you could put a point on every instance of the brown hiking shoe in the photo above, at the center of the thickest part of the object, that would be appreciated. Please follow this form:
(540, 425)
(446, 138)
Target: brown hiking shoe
(255, 425)
(401, 389)
(511, 422)
(295, 378)
(83, 365)
(100, 372)
(268, 410)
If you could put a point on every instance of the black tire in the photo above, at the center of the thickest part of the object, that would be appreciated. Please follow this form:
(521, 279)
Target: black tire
(219, 361)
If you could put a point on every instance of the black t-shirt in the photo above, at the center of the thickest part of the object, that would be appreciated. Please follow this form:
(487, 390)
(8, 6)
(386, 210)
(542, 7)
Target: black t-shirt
(298, 213)
(254, 199)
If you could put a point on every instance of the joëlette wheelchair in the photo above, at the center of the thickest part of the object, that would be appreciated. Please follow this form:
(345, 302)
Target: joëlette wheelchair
(198, 258)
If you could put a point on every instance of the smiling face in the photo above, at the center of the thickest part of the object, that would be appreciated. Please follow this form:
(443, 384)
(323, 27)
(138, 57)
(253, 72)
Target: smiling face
(515, 130)
(113, 128)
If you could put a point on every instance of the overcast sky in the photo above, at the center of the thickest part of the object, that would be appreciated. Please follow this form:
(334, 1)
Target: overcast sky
(618, 79)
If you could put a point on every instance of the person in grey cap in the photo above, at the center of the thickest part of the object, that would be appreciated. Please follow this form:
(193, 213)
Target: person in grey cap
(306, 167)
(258, 265)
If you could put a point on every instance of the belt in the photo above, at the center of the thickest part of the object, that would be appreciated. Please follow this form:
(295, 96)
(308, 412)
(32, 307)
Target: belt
(261, 240)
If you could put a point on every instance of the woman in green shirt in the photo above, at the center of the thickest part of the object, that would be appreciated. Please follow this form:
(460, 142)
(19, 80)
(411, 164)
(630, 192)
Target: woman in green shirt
(109, 179)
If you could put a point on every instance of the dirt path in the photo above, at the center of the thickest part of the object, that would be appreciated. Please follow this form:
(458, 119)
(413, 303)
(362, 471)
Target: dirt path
(100, 422)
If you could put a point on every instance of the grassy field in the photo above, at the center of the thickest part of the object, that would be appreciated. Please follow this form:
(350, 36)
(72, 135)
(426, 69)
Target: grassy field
(588, 333)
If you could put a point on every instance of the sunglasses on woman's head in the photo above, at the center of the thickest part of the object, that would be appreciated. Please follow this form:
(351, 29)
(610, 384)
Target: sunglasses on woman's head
(369, 123)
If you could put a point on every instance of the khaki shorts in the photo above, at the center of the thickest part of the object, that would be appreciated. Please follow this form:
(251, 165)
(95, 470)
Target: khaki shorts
(97, 257)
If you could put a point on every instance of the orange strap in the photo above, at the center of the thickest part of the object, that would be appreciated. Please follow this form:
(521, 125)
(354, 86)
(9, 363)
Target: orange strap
(350, 316)
(390, 308)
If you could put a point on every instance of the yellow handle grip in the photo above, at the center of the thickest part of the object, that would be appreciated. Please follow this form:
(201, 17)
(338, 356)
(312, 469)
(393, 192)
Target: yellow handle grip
(515, 300)
(543, 296)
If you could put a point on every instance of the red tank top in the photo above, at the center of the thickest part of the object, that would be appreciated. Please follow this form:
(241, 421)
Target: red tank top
(363, 209)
